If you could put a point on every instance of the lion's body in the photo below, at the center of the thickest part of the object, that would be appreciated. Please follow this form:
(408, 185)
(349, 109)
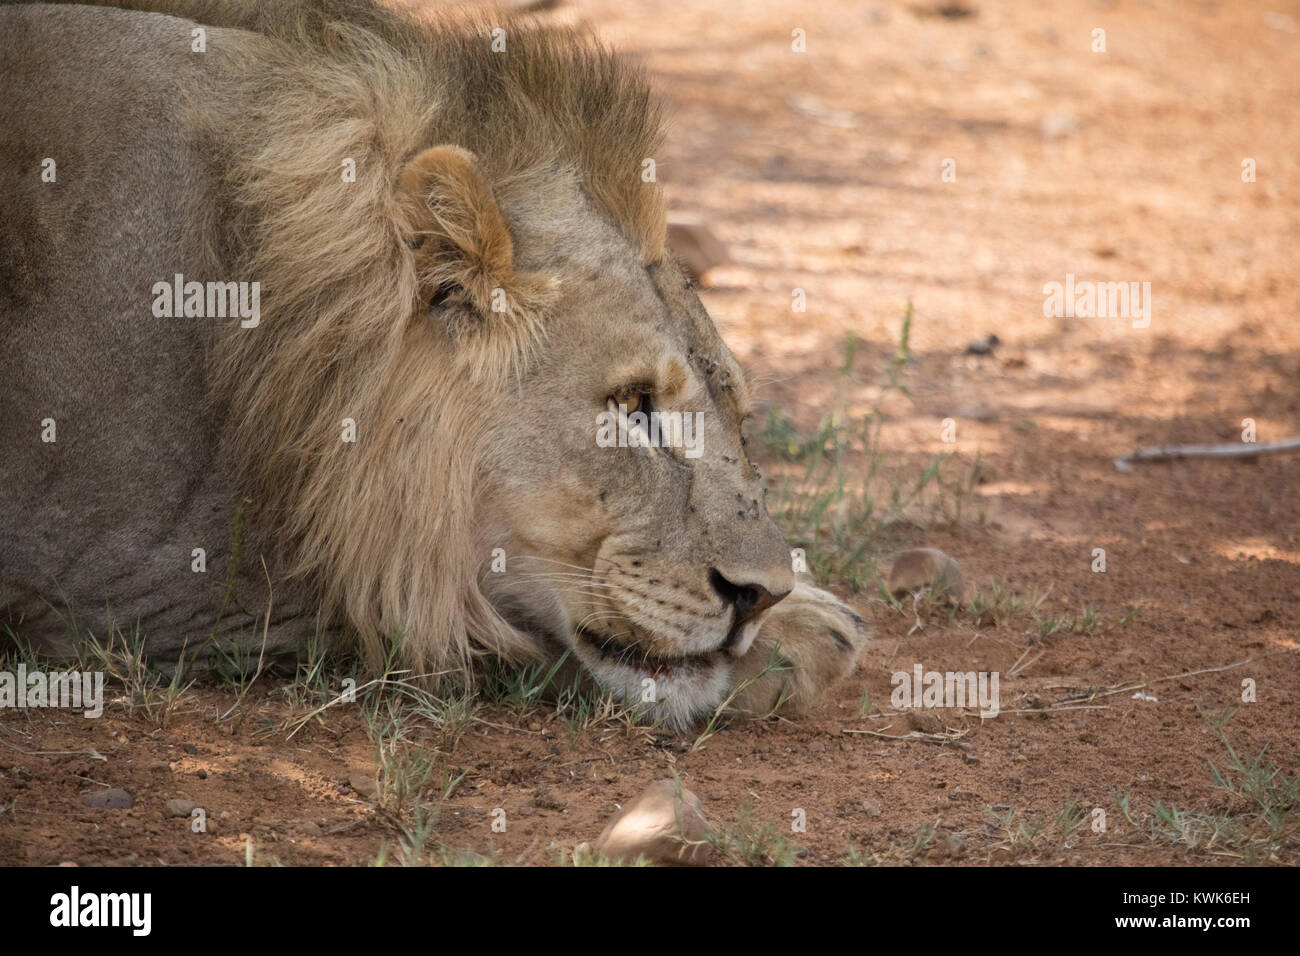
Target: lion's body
(414, 399)
(100, 519)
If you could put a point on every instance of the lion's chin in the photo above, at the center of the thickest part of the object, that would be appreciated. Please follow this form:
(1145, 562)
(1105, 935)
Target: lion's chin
(675, 692)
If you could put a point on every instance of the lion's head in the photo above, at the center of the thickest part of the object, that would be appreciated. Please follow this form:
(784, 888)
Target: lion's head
(631, 523)
(490, 303)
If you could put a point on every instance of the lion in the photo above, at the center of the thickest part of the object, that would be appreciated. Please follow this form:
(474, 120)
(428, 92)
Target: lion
(314, 317)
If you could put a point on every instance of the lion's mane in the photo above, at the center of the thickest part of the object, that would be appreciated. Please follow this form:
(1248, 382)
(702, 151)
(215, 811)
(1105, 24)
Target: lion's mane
(382, 528)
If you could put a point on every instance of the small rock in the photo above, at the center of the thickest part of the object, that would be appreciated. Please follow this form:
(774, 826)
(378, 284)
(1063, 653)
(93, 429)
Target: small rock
(978, 413)
(817, 747)
(309, 828)
(919, 568)
(545, 800)
(923, 722)
(189, 748)
(363, 782)
(178, 807)
(983, 346)
(970, 758)
(662, 825)
(697, 249)
(201, 774)
(111, 799)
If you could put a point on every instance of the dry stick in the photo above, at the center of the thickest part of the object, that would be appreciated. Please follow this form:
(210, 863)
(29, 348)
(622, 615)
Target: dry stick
(509, 729)
(1124, 688)
(1226, 450)
(95, 754)
(1017, 667)
(946, 737)
(349, 697)
(1118, 689)
(93, 780)
(1053, 710)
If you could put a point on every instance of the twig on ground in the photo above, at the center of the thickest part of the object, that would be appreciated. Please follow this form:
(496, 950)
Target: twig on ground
(946, 737)
(1226, 450)
(1138, 685)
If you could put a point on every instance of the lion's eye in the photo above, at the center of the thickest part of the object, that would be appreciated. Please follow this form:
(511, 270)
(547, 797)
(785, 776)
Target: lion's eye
(440, 296)
(633, 399)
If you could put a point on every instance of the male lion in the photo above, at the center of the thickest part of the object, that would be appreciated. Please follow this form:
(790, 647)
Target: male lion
(308, 317)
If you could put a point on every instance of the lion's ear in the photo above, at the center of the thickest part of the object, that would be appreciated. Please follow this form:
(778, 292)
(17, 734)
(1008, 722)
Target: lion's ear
(460, 237)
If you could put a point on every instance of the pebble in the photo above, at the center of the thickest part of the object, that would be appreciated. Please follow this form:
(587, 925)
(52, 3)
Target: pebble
(924, 723)
(918, 568)
(547, 801)
(983, 346)
(696, 247)
(663, 825)
(363, 782)
(178, 807)
(111, 799)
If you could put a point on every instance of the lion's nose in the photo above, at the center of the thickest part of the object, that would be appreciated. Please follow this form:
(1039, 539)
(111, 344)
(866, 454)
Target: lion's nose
(749, 600)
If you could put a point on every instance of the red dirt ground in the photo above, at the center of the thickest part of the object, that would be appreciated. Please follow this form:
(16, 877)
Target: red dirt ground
(821, 171)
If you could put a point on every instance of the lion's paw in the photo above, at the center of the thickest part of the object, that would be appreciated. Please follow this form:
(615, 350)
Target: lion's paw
(806, 643)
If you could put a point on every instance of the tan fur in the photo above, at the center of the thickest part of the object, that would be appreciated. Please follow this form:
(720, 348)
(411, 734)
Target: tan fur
(462, 241)
(557, 92)
(336, 339)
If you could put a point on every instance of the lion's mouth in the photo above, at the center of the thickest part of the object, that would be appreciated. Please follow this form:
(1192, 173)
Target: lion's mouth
(633, 656)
